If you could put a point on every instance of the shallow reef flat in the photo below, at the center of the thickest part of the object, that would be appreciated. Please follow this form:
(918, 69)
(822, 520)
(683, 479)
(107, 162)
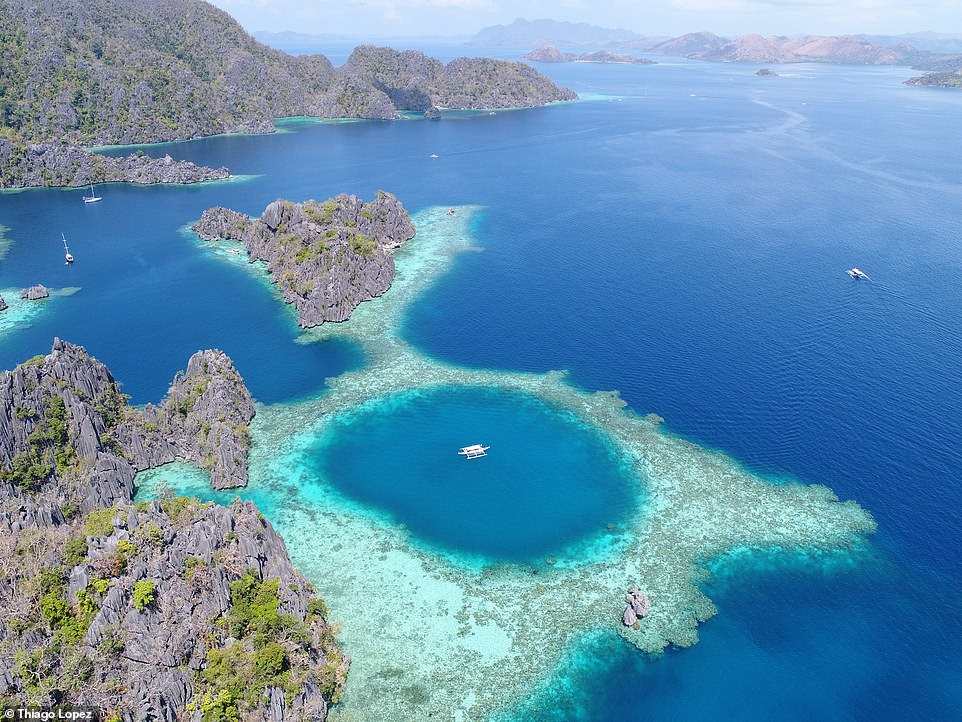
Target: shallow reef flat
(435, 636)
(21, 312)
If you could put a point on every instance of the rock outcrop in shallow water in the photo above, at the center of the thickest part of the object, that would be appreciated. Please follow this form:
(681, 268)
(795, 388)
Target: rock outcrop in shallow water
(167, 610)
(25, 165)
(35, 293)
(326, 258)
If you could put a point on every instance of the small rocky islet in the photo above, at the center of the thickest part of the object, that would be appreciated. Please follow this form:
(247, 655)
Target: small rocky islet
(324, 257)
(169, 609)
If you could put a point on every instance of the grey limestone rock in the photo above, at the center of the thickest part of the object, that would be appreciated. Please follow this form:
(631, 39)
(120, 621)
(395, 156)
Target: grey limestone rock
(326, 258)
(59, 164)
(35, 293)
(150, 591)
(638, 606)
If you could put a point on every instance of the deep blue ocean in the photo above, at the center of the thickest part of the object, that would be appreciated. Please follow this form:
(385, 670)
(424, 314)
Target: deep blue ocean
(684, 241)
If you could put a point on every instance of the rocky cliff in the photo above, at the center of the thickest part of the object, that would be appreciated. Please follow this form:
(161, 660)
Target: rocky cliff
(413, 81)
(61, 165)
(204, 419)
(68, 437)
(101, 72)
(326, 258)
(166, 610)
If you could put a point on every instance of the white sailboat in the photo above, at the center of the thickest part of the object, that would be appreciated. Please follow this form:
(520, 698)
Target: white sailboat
(68, 257)
(92, 198)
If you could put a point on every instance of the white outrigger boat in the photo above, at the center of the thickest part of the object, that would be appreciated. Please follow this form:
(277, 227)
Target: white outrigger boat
(92, 198)
(474, 451)
(858, 274)
(67, 255)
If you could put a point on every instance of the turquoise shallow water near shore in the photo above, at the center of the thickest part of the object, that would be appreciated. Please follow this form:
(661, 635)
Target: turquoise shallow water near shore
(682, 240)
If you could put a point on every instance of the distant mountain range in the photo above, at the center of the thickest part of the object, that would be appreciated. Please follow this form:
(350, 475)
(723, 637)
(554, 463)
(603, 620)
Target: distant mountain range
(526, 34)
(554, 41)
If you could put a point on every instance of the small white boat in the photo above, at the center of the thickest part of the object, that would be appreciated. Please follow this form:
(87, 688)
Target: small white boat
(92, 198)
(858, 274)
(474, 451)
(435, 155)
(67, 256)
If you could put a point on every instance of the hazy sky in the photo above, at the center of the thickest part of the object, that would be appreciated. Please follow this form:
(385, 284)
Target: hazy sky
(372, 18)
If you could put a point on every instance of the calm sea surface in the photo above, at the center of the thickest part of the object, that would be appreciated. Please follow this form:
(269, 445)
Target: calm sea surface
(683, 241)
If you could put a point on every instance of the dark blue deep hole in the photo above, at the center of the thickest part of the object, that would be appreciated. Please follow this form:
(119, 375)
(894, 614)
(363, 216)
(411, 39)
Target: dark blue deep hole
(547, 482)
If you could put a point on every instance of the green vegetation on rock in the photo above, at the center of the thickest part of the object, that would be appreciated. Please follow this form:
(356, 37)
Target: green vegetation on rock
(49, 450)
(144, 594)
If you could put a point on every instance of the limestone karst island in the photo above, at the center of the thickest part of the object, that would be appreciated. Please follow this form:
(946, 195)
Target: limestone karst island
(416, 361)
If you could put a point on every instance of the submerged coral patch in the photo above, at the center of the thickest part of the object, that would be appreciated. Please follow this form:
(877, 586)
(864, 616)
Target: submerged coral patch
(435, 639)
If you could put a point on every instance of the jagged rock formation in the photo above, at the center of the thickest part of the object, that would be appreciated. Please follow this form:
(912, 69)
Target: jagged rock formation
(61, 165)
(551, 54)
(35, 293)
(204, 419)
(167, 610)
(637, 607)
(139, 71)
(67, 435)
(413, 81)
(326, 258)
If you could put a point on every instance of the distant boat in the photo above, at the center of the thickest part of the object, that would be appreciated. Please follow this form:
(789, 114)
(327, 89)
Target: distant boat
(435, 155)
(474, 451)
(67, 256)
(858, 274)
(92, 198)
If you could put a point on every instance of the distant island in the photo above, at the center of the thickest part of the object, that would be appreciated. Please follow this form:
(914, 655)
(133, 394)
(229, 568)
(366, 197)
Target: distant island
(938, 80)
(557, 42)
(76, 75)
(551, 54)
